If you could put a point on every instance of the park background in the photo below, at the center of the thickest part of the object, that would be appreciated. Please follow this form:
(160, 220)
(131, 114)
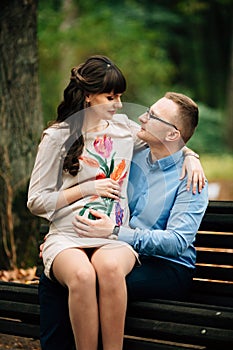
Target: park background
(166, 45)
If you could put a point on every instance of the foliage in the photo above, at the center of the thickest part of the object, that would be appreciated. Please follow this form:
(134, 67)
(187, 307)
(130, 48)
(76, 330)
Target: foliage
(218, 167)
(160, 46)
(116, 30)
(209, 136)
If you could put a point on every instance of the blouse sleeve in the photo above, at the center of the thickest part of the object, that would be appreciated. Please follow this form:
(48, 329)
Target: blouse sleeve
(46, 178)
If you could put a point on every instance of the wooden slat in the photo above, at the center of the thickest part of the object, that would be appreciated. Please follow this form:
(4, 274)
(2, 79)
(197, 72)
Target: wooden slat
(19, 292)
(218, 217)
(215, 257)
(224, 207)
(180, 312)
(20, 329)
(191, 304)
(179, 332)
(20, 310)
(137, 343)
(211, 292)
(214, 273)
(217, 222)
(214, 240)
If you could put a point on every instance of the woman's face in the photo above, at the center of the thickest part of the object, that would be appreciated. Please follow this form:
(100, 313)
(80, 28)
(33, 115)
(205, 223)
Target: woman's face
(104, 105)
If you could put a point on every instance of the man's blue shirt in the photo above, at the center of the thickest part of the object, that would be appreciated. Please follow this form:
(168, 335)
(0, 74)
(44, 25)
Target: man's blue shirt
(164, 215)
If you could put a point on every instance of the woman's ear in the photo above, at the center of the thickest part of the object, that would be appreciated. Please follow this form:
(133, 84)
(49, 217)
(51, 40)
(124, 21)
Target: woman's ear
(173, 136)
(87, 98)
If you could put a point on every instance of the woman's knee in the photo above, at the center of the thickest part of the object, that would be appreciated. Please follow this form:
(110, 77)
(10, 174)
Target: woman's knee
(108, 269)
(72, 268)
(82, 278)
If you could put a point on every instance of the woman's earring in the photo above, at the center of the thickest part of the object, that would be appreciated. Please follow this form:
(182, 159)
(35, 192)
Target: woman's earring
(86, 104)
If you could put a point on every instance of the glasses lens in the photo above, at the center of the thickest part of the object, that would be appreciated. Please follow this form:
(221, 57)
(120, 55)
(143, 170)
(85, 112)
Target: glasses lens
(152, 116)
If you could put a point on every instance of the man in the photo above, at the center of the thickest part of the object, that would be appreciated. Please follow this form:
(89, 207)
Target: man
(164, 215)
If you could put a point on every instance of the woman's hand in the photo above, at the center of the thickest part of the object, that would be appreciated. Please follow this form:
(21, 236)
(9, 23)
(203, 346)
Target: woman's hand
(101, 187)
(101, 228)
(41, 248)
(195, 173)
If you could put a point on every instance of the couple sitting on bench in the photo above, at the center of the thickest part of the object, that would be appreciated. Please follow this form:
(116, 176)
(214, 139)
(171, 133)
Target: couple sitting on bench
(95, 259)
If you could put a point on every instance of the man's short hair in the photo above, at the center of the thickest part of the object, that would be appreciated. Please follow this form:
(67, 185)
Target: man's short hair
(187, 115)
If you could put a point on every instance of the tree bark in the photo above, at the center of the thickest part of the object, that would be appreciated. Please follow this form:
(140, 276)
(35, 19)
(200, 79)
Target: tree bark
(20, 111)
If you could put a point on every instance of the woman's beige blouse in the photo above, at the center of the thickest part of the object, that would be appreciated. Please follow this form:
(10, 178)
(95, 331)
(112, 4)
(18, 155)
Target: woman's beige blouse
(106, 154)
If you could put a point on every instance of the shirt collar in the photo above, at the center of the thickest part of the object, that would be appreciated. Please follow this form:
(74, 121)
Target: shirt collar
(164, 163)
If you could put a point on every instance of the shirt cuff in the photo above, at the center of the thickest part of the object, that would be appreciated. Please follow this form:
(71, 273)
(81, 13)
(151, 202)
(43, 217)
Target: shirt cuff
(126, 234)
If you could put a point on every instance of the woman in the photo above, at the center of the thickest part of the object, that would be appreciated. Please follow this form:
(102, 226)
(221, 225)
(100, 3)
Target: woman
(83, 162)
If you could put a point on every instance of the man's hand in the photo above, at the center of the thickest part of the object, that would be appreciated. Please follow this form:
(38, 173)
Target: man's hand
(101, 228)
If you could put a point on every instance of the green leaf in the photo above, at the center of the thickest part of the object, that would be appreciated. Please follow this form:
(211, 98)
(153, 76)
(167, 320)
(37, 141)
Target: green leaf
(112, 164)
(82, 211)
(94, 205)
(102, 163)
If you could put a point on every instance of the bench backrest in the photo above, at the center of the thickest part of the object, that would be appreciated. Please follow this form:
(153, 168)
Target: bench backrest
(213, 282)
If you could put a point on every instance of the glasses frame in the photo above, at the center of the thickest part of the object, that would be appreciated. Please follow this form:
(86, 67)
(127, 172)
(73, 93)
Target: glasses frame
(153, 116)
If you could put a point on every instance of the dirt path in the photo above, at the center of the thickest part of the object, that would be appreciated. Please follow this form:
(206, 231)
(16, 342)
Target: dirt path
(18, 343)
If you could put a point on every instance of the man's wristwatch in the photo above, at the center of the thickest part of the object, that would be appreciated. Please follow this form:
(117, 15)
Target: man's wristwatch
(115, 232)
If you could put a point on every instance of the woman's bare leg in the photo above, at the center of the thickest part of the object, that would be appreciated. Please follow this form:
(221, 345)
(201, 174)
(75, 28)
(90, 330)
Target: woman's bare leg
(112, 264)
(73, 269)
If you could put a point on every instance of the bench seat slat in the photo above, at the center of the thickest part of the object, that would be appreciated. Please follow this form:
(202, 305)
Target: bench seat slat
(20, 329)
(179, 332)
(183, 313)
(137, 343)
(20, 310)
(212, 293)
(19, 292)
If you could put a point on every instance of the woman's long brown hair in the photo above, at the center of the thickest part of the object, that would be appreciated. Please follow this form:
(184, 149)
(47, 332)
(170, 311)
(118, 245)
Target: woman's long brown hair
(95, 76)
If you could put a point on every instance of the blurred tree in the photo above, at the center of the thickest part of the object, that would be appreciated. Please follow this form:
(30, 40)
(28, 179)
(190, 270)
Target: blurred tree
(166, 44)
(204, 55)
(229, 104)
(116, 29)
(20, 116)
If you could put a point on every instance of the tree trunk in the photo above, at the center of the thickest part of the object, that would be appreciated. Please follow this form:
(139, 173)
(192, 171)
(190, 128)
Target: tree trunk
(67, 54)
(20, 112)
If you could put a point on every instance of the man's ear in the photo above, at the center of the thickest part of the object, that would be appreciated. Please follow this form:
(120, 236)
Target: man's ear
(173, 136)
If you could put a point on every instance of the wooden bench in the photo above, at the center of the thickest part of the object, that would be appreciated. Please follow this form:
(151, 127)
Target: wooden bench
(205, 321)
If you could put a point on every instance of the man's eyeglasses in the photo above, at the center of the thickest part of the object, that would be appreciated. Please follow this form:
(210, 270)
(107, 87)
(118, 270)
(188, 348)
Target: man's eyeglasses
(152, 116)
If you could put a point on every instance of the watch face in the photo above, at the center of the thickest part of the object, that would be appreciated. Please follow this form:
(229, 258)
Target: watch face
(116, 230)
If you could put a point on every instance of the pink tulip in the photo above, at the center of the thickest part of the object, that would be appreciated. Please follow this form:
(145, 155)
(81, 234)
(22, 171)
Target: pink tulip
(103, 146)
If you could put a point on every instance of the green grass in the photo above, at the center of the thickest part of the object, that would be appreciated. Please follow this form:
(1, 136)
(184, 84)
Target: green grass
(218, 167)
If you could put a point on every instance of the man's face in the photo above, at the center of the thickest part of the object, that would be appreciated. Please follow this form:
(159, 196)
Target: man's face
(158, 121)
